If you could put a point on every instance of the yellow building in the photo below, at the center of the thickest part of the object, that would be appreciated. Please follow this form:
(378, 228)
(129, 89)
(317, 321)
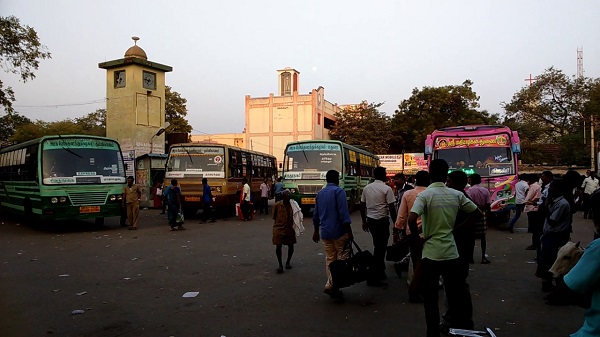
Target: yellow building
(233, 139)
(274, 121)
(135, 106)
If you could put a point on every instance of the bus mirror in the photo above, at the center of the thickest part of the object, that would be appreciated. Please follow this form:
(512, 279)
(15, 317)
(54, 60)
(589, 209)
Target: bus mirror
(428, 145)
(516, 142)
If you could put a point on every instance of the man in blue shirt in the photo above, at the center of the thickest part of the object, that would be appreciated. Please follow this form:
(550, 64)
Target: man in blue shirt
(207, 199)
(331, 220)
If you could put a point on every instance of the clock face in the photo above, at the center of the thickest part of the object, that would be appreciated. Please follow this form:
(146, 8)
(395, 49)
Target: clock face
(149, 80)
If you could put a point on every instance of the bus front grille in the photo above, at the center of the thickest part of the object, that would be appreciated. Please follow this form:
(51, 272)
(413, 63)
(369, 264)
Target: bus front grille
(309, 189)
(88, 198)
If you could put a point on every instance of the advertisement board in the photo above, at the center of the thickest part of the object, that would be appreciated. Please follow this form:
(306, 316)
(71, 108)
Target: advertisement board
(414, 162)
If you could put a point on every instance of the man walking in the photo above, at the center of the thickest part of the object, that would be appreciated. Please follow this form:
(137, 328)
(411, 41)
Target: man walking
(264, 196)
(376, 206)
(407, 202)
(207, 199)
(438, 206)
(331, 221)
(521, 190)
(246, 199)
(131, 202)
(173, 196)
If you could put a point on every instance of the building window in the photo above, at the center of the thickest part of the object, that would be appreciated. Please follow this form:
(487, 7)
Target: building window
(319, 118)
(120, 79)
(286, 84)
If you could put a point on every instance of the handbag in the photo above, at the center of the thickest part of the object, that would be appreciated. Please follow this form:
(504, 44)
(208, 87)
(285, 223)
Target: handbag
(179, 219)
(398, 250)
(356, 268)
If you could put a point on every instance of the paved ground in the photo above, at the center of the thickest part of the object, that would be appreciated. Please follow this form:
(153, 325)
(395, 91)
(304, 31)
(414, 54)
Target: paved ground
(134, 282)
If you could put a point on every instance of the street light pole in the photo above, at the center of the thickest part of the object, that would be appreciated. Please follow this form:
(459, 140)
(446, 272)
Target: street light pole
(592, 145)
(158, 133)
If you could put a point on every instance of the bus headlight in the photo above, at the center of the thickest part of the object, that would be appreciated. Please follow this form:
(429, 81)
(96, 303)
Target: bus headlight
(113, 197)
(119, 197)
(218, 189)
(54, 200)
(63, 200)
(293, 190)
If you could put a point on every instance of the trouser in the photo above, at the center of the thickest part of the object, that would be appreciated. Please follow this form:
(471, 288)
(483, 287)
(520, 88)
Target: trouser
(457, 293)
(518, 210)
(535, 227)
(246, 209)
(123, 219)
(264, 205)
(550, 244)
(465, 244)
(133, 210)
(172, 212)
(207, 211)
(380, 232)
(334, 250)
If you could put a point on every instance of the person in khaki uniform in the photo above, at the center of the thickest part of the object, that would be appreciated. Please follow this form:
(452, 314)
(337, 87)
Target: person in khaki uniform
(131, 201)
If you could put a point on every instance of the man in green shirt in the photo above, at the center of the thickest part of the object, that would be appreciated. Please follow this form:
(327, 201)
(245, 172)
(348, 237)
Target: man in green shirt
(438, 206)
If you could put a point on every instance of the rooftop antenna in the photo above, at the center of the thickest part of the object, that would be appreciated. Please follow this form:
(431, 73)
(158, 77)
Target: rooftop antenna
(135, 39)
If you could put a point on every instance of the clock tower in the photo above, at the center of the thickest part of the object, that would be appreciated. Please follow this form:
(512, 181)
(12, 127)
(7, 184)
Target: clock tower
(135, 107)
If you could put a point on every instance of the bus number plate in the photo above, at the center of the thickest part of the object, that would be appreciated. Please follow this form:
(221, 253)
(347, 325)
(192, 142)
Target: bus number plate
(308, 201)
(192, 198)
(89, 209)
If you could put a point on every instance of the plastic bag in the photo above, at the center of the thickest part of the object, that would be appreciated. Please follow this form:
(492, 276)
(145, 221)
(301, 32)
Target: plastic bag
(179, 219)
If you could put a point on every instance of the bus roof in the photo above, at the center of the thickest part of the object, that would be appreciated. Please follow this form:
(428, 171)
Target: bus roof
(470, 129)
(41, 139)
(219, 144)
(356, 148)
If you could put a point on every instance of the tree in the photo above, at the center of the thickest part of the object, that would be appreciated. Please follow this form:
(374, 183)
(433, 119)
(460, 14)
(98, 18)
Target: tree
(93, 123)
(20, 52)
(432, 108)
(363, 125)
(556, 107)
(9, 124)
(175, 112)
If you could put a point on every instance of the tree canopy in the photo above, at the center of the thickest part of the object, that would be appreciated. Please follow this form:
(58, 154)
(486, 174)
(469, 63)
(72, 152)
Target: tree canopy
(553, 110)
(363, 125)
(92, 124)
(20, 52)
(432, 108)
(175, 112)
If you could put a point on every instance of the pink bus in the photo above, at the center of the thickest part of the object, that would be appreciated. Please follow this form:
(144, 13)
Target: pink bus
(489, 150)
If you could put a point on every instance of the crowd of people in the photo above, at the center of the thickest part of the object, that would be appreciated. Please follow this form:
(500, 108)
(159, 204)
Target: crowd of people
(442, 215)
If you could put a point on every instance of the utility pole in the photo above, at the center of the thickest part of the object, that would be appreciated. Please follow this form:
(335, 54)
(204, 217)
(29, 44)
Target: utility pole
(592, 141)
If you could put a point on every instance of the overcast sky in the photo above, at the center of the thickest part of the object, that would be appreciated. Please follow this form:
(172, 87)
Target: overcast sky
(357, 50)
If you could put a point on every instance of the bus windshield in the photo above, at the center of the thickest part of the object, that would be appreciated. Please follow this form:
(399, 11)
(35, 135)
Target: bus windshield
(205, 161)
(312, 160)
(486, 161)
(81, 161)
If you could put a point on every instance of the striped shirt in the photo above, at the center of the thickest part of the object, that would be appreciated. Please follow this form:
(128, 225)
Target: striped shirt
(438, 206)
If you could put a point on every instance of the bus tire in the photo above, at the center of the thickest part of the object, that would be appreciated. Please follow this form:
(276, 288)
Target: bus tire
(189, 212)
(28, 217)
(305, 209)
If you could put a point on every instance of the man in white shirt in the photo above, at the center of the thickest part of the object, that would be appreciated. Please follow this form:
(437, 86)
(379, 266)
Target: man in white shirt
(589, 186)
(376, 206)
(246, 200)
(521, 190)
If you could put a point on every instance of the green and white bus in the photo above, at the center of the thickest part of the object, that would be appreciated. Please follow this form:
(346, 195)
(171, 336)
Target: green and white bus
(306, 162)
(62, 177)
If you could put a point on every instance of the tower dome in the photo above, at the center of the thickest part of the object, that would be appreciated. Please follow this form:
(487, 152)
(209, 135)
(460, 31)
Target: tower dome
(135, 50)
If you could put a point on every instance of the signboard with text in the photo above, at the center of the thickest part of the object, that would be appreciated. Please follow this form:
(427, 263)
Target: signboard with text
(414, 162)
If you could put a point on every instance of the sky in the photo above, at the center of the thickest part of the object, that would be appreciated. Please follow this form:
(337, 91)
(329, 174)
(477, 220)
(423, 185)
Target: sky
(377, 51)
